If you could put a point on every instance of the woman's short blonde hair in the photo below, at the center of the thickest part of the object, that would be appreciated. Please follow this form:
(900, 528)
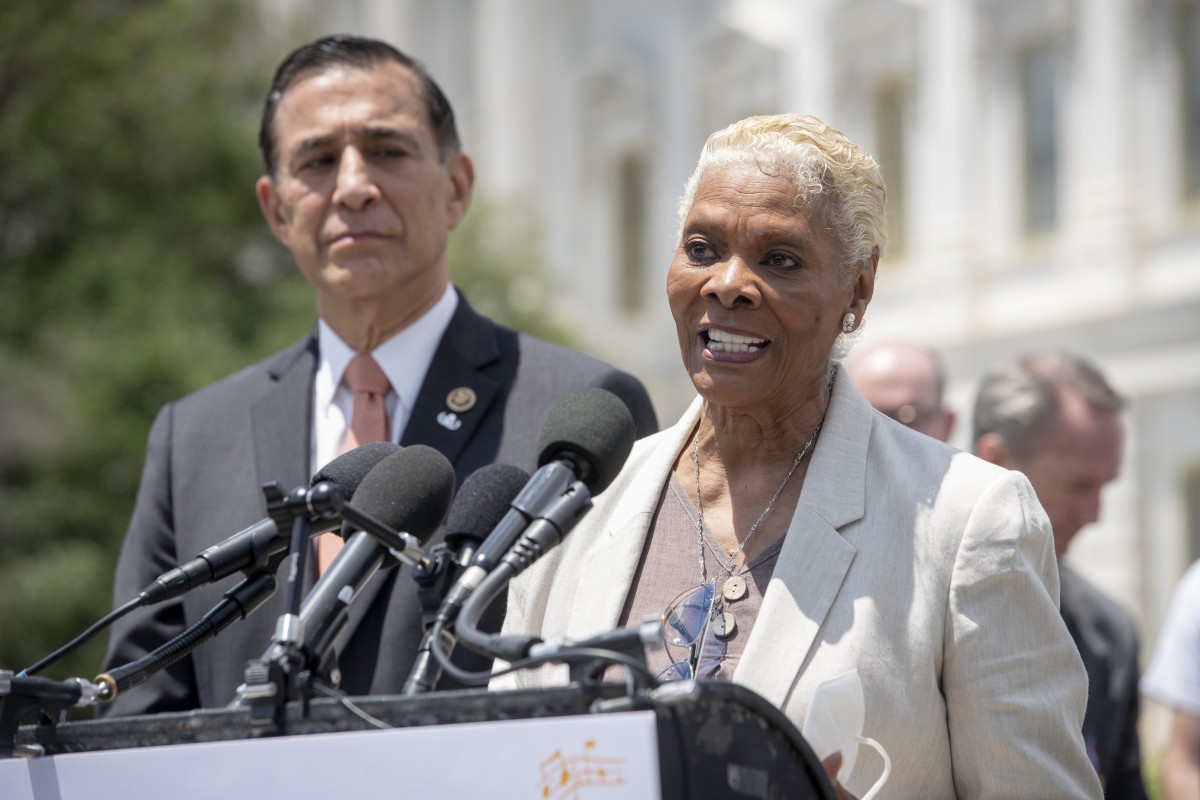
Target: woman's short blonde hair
(826, 165)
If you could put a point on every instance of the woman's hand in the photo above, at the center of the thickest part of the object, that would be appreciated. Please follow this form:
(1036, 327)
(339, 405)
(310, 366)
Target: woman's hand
(832, 763)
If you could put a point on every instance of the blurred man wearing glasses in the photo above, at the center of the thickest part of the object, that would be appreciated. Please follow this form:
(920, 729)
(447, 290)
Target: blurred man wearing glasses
(906, 382)
(1054, 417)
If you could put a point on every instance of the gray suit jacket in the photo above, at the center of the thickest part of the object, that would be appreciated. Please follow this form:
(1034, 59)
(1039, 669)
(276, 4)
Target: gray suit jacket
(929, 571)
(209, 454)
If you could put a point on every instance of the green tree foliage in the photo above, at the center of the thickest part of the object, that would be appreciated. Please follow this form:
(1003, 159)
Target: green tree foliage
(134, 268)
(129, 274)
(494, 258)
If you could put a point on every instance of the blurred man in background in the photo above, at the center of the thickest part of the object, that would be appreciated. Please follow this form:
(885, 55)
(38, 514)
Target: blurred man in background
(906, 382)
(1054, 417)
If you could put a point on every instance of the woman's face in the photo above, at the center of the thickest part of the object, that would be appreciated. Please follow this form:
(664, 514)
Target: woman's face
(757, 292)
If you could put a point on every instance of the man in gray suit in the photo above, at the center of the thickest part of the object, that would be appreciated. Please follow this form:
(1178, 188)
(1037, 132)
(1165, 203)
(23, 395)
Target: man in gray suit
(1054, 417)
(364, 179)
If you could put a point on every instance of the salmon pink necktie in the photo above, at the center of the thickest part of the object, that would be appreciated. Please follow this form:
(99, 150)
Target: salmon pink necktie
(368, 423)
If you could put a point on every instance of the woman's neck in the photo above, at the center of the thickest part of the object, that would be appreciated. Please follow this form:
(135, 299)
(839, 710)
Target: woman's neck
(754, 438)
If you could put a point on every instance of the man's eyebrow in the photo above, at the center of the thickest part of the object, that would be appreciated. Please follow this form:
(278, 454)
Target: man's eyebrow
(312, 143)
(385, 132)
(374, 133)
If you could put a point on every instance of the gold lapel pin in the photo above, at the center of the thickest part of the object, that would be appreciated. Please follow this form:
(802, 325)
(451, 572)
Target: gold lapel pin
(461, 399)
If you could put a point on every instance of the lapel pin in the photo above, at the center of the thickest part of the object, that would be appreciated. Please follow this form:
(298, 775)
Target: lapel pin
(461, 399)
(449, 420)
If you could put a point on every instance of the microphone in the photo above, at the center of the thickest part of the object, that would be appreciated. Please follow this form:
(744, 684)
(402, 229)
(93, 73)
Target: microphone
(587, 438)
(238, 603)
(479, 506)
(542, 534)
(410, 491)
(591, 432)
(254, 546)
(482, 501)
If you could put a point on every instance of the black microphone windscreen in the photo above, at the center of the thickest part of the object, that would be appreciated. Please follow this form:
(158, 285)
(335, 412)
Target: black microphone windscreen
(595, 426)
(484, 498)
(409, 491)
(348, 470)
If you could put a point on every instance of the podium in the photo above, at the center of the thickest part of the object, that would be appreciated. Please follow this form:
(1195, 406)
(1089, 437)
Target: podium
(702, 739)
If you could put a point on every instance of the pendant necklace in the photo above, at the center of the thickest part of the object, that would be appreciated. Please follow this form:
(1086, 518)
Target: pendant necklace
(734, 588)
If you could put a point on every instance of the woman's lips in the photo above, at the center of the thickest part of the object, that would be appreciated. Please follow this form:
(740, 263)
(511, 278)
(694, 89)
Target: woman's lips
(722, 345)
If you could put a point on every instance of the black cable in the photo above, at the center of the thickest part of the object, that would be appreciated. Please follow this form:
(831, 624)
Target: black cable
(577, 654)
(83, 638)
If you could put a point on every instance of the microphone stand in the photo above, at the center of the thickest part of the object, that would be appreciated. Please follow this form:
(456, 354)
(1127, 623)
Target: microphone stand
(21, 695)
(286, 671)
(271, 681)
(434, 580)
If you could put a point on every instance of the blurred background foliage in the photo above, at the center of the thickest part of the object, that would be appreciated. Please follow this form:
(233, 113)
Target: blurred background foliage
(134, 268)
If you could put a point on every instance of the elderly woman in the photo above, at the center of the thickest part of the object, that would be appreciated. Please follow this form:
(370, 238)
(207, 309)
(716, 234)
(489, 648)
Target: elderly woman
(834, 538)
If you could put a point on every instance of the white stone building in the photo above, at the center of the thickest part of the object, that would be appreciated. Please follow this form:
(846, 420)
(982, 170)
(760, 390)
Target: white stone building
(1042, 157)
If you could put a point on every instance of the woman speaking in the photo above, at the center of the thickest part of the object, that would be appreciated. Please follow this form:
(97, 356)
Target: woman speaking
(811, 535)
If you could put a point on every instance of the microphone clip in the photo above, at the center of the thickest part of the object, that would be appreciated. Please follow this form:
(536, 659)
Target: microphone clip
(320, 501)
(270, 683)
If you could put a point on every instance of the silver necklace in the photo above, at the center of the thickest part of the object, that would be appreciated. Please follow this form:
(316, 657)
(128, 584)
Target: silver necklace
(735, 587)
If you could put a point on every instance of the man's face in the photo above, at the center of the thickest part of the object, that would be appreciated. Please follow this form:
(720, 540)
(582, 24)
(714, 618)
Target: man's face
(901, 381)
(361, 197)
(1079, 456)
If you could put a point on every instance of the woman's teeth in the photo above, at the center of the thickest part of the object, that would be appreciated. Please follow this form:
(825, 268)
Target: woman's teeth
(720, 341)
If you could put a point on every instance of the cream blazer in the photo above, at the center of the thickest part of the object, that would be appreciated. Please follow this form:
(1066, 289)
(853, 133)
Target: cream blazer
(928, 570)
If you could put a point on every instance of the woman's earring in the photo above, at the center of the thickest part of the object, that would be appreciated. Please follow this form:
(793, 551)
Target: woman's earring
(848, 322)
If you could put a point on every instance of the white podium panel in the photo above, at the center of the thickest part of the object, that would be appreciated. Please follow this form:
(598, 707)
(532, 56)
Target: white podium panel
(561, 758)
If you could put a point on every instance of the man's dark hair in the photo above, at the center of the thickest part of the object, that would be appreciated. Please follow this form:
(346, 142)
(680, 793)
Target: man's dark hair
(360, 53)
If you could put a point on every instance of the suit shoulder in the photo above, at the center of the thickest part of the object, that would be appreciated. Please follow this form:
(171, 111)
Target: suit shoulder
(249, 381)
(898, 447)
(556, 369)
(542, 352)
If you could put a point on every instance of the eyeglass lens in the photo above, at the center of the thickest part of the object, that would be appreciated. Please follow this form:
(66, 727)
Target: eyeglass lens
(687, 615)
(684, 624)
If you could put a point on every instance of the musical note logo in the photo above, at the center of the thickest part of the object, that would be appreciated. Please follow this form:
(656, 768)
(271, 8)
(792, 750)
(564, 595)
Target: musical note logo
(563, 776)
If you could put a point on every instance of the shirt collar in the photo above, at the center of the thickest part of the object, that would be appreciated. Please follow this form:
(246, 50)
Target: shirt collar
(404, 358)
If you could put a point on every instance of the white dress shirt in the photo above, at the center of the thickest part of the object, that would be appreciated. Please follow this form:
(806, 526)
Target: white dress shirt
(404, 358)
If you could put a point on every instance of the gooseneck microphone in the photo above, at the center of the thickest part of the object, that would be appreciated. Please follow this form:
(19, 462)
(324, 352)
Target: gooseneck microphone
(587, 438)
(542, 534)
(482, 501)
(254, 546)
(238, 603)
(250, 550)
(408, 491)
(385, 492)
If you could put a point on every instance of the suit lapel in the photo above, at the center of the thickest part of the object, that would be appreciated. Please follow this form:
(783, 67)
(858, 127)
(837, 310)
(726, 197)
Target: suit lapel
(614, 558)
(612, 561)
(282, 419)
(815, 557)
(468, 345)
